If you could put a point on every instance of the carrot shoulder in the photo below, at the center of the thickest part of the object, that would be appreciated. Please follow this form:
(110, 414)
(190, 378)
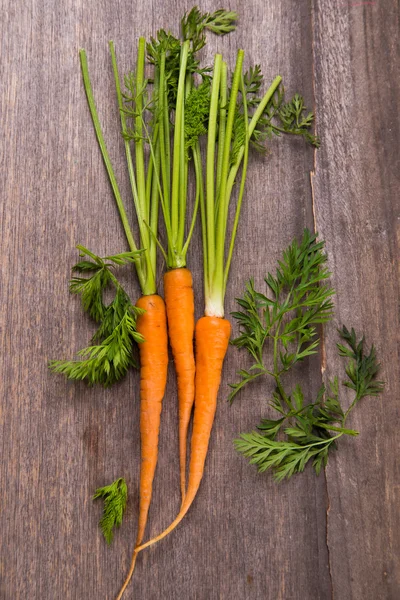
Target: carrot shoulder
(212, 339)
(153, 377)
(179, 300)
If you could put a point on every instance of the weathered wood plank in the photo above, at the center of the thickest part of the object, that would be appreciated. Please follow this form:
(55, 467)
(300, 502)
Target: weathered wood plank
(357, 211)
(244, 537)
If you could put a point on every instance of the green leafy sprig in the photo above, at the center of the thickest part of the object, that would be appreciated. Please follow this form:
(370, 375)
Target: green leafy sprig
(107, 360)
(194, 24)
(115, 497)
(278, 117)
(287, 321)
(196, 113)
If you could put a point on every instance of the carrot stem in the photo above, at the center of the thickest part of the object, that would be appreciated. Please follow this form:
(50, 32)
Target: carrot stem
(221, 127)
(242, 184)
(223, 199)
(209, 222)
(148, 284)
(178, 149)
(104, 151)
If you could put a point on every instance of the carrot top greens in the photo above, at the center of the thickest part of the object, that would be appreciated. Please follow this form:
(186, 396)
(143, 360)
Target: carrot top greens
(238, 117)
(152, 111)
(181, 103)
(115, 497)
(110, 355)
(146, 206)
(286, 320)
(175, 69)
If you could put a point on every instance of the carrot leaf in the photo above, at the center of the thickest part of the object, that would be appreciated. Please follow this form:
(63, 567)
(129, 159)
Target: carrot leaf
(110, 355)
(279, 117)
(108, 361)
(287, 318)
(298, 301)
(195, 23)
(115, 497)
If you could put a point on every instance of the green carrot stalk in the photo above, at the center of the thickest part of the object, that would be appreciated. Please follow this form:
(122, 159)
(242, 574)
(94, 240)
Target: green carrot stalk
(146, 265)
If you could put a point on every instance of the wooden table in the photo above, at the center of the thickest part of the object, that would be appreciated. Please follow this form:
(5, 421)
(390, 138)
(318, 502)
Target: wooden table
(333, 536)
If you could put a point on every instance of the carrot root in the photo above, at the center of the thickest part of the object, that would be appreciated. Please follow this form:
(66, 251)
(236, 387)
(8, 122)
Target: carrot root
(129, 576)
(153, 377)
(179, 300)
(212, 339)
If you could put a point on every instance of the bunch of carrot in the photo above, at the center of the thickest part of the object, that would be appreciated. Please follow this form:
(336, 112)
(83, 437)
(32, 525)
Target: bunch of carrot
(166, 184)
(231, 116)
(229, 130)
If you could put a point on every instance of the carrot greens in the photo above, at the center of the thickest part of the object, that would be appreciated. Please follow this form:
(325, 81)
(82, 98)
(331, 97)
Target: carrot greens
(111, 353)
(115, 497)
(109, 359)
(184, 101)
(175, 68)
(238, 117)
(286, 320)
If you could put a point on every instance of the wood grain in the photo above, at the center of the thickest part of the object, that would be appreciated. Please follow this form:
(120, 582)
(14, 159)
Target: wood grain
(356, 186)
(245, 537)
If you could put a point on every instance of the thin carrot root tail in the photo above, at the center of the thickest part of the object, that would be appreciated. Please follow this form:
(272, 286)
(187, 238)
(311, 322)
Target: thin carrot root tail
(129, 576)
(153, 377)
(179, 300)
(184, 509)
(212, 339)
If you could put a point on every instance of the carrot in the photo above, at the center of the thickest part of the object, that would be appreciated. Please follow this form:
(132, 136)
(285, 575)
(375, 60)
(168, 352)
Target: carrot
(227, 110)
(152, 323)
(212, 330)
(212, 339)
(190, 117)
(179, 300)
(152, 326)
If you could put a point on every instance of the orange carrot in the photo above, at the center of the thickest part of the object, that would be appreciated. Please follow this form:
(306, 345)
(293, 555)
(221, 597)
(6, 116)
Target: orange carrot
(179, 300)
(212, 339)
(153, 377)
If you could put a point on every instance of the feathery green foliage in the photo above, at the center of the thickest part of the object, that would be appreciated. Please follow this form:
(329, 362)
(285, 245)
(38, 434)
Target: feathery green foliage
(362, 368)
(299, 301)
(115, 497)
(91, 289)
(197, 109)
(194, 24)
(278, 116)
(109, 359)
(288, 318)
